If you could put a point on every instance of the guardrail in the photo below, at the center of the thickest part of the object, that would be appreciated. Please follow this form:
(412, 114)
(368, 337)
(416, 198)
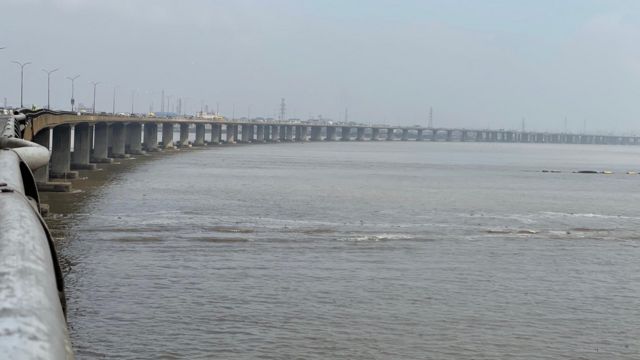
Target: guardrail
(32, 320)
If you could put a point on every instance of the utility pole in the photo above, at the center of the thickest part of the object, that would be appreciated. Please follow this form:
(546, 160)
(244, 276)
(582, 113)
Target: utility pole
(133, 100)
(49, 72)
(95, 84)
(430, 126)
(21, 65)
(73, 79)
(113, 106)
(162, 101)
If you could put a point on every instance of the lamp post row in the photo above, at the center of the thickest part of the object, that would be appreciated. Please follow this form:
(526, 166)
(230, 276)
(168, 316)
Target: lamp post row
(22, 65)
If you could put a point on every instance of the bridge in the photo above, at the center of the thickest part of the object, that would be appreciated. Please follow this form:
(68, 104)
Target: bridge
(38, 146)
(101, 138)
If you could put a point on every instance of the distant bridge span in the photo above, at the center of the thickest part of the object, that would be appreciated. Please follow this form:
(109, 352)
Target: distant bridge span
(100, 138)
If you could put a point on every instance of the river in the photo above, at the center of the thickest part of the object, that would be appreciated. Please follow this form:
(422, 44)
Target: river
(374, 250)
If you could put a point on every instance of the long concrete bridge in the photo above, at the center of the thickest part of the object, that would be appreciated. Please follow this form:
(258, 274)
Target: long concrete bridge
(38, 146)
(101, 138)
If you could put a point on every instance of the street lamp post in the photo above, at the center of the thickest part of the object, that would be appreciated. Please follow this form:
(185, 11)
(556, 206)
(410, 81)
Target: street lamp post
(21, 65)
(113, 109)
(95, 84)
(73, 79)
(133, 100)
(49, 72)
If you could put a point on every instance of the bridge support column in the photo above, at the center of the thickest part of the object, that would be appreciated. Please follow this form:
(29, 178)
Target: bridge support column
(134, 143)
(243, 135)
(316, 133)
(449, 135)
(375, 134)
(331, 133)
(199, 135)
(101, 143)
(184, 135)
(267, 133)
(346, 133)
(61, 154)
(360, 134)
(304, 129)
(230, 134)
(150, 136)
(405, 135)
(117, 145)
(167, 136)
(216, 134)
(390, 134)
(419, 135)
(284, 133)
(43, 138)
(81, 154)
(260, 133)
(289, 133)
(275, 133)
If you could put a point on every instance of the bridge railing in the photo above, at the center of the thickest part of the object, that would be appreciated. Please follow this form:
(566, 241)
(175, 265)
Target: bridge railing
(31, 285)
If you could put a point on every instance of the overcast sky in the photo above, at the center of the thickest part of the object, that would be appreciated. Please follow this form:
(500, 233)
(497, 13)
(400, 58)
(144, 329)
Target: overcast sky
(477, 63)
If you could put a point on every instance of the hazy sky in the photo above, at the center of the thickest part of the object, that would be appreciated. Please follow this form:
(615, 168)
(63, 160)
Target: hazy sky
(478, 63)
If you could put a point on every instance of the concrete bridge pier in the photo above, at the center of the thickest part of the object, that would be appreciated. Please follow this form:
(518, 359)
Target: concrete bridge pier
(101, 143)
(434, 134)
(283, 133)
(275, 133)
(405, 135)
(331, 133)
(390, 134)
(184, 135)
(360, 134)
(375, 134)
(316, 133)
(289, 133)
(167, 136)
(199, 135)
(150, 137)
(118, 140)
(464, 136)
(236, 132)
(216, 134)
(304, 131)
(449, 135)
(267, 133)
(346, 133)
(419, 135)
(260, 133)
(81, 155)
(244, 134)
(298, 133)
(61, 154)
(231, 134)
(133, 145)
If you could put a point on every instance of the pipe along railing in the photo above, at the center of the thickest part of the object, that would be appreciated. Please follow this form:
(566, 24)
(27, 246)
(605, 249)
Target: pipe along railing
(32, 320)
